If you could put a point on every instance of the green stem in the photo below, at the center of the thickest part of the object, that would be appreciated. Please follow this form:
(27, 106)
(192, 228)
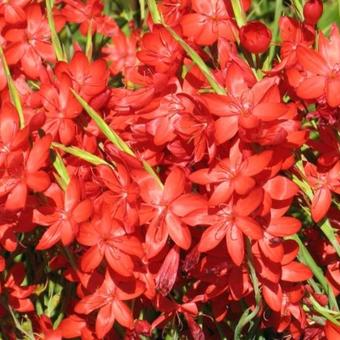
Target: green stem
(249, 315)
(54, 35)
(18, 325)
(240, 16)
(157, 19)
(275, 30)
(299, 9)
(13, 92)
(306, 258)
(113, 136)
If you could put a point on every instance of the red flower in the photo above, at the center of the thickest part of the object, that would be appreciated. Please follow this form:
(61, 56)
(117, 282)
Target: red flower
(322, 183)
(164, 210)
(108, 239)
(255, 37)
(232, 174)
(30, 46)
(160, 50)
(13, 11)
(232, 221)
(121, 52)
(24, 172)
(88, 79)
(209, 22)
(322, 74)
(61, 107)
(312, 11)
(108, 299)
(64, 216)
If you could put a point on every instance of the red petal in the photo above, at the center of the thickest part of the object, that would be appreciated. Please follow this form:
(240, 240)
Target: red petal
(225, 128)
(272, 294)
(105, 320)
(174, 185)
(249, 227)
(281, 188)
(269, 111)
(284, 226)
(72, 194)
(332, 92)
(187, 204)
(179, 233)
(51, 237)
(38, 181)
(311, 88)
(17, 197)
(235, 244)
(221, 194)
(320, 204)
(295, 272)
(311, 61)
(91, 259)
(82, 211)
(122, 313)
(39, 154)
(211, 237)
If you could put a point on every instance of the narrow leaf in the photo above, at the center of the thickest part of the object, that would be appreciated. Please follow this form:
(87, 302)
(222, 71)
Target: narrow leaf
(14, 94)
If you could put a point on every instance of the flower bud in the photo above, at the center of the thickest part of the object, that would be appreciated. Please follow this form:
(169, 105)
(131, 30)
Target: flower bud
(312, 11)
(255, 37)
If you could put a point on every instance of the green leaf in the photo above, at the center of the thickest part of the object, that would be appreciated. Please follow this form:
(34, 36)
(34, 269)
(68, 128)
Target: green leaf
(82, 154)
(238, 12)
(62, 175)
(89, 45)
(306, 258)
(157, 19)
(54, 36)
(13, 92)
(112, 136)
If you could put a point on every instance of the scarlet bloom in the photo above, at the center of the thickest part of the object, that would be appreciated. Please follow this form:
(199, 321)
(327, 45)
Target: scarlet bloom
(87, 78)
(107, 238)
(31, 45)
(231, 221)
(14, 10)
(232, 174)
(312, 11)
(210, 21)
(61, 107)
(108, 298)
(164, 210)
(255, 37)
(63, 216)
(24, 171)
(322, 183)
(160, 50)
(321, 76)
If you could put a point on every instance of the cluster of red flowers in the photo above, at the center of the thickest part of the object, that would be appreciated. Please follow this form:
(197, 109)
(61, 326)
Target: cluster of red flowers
(172, 178)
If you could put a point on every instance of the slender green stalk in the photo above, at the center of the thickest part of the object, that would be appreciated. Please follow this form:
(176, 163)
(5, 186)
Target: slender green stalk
(58, 50)
(248, 315)
(306, 258)
(275, 30)
(62, 176)
(13, 92)
(113, 136)
(239, 13)
(142, 9)
(89, 45)
(299, 8)
(18, 325)
(157, 19)
(82, 154)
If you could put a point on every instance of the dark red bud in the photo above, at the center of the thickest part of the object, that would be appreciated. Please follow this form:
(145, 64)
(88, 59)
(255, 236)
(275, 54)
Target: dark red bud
(312, 11)
(255, 37)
